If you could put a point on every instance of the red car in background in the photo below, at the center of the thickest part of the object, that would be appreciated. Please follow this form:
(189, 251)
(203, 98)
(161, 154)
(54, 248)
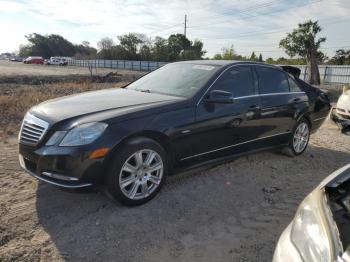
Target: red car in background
(34, 60)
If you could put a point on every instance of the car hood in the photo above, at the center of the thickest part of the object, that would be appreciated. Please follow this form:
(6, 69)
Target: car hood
(336, 178)
(93, 102)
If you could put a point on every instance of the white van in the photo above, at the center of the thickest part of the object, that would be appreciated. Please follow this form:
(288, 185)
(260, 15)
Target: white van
(61, 61)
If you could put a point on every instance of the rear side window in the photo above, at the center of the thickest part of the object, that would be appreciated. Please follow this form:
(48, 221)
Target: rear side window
(237, 80)
(272, 81)
(293, 86)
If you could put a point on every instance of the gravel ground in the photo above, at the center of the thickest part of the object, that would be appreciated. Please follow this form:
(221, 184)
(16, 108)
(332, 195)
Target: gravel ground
(233, 212)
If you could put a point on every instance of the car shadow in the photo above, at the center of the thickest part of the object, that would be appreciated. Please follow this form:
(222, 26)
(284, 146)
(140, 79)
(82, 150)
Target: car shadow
(202, 215)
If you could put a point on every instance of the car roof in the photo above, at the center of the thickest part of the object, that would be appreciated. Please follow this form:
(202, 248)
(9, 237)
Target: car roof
(223, 63)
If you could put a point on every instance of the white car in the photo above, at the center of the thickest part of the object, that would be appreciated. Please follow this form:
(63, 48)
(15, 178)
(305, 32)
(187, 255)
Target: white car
(61, 61)
(343, 105)
(341, 113)
(320, 230)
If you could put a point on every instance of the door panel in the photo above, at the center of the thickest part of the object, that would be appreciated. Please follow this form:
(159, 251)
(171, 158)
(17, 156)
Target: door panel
(280, 106)
(277, 113)
(224, 125)
(220, 129)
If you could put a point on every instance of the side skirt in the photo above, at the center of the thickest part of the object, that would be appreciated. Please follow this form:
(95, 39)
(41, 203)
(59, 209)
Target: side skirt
(218, 161)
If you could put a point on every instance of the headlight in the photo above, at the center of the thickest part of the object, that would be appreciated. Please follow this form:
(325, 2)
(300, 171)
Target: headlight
(55, 138)
(308, 232)
(84, 134)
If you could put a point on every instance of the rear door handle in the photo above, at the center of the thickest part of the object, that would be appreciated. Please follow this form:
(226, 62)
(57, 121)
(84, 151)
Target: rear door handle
(254, 108)
(297, 100)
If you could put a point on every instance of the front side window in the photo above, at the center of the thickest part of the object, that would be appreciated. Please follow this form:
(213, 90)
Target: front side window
(237, 80)
(177, 79)
(272, 81)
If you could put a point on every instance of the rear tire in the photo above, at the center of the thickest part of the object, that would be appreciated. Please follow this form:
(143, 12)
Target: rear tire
(299, 139)
(137, 172)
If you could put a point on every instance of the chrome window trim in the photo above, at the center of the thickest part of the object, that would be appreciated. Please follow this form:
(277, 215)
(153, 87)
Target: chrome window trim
(283, 93)
(206, 91)
(270, 94)
(234, 145)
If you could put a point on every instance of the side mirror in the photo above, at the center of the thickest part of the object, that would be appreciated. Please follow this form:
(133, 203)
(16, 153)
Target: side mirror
(220, 97)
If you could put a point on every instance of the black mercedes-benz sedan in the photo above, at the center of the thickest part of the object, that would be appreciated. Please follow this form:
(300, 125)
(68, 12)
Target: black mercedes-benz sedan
(180, 116)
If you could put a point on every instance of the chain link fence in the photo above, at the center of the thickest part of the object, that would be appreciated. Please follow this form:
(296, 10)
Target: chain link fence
(330, 74)
(146, 66)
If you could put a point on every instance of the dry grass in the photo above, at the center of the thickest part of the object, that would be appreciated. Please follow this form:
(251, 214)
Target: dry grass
(16, 99)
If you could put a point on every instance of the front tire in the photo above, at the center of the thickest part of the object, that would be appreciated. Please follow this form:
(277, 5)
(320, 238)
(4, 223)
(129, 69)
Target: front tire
(300, 138)
(137, 172)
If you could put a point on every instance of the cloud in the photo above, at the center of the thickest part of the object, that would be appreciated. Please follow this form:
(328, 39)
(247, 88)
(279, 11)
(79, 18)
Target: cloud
(247, 24)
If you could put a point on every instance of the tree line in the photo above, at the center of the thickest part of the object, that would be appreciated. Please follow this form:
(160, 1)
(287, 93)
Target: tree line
(134, 46)
(54, 45)
(230, 54)
(131, 46)
(302, 46)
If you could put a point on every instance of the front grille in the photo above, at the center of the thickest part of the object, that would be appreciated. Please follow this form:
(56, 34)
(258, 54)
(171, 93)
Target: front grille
(32, 130)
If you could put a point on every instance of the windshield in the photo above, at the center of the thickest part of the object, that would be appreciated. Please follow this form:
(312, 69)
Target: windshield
(178, 79)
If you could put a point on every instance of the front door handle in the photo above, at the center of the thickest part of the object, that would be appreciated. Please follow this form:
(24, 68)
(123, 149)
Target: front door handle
(252, 111)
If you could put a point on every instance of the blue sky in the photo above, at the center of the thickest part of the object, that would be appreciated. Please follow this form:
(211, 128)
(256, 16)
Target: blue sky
(248, 25)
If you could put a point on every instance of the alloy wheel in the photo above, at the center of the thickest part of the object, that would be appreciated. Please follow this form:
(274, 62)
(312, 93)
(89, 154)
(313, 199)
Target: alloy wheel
(301, 137)
(141, 174)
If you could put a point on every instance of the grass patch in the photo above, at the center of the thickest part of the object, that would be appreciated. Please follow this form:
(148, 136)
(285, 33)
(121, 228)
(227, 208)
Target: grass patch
(17, 99)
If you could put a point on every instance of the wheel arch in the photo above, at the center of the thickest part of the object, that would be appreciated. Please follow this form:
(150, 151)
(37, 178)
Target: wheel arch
(306, 116)
(159, 137)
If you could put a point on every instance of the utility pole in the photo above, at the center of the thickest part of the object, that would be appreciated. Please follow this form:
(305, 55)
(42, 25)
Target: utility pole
(185, 25)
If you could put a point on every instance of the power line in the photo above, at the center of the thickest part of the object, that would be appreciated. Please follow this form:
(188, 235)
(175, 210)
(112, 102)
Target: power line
(273, 45)
(257, 15)
(173, 26)
(165, 29)
(245, 10)
(282, 29)
(209, 5)
(263, 4)
(275, 51)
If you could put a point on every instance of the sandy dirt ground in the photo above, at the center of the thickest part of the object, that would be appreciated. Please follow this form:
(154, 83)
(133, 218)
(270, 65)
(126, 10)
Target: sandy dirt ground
(233, 212)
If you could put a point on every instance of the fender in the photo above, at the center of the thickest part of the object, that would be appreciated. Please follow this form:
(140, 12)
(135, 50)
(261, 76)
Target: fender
(159, 137)
(304, 114)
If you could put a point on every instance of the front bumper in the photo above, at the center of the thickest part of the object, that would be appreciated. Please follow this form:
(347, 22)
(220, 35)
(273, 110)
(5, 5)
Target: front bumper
(342, 121)
(68, 167)
(343, 112)
(285, 250)
(42, 178)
